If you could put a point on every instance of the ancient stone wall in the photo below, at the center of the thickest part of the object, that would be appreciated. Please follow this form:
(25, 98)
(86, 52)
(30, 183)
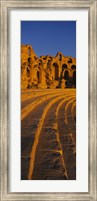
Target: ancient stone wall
(46, 71)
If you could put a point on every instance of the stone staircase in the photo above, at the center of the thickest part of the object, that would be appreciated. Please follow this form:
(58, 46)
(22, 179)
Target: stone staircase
(48, 135)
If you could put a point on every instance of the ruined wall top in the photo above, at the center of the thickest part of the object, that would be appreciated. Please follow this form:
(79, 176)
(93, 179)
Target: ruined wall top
(27, 51)
(47, 71)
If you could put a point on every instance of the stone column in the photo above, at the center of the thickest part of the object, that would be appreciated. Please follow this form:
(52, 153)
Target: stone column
(63, 84)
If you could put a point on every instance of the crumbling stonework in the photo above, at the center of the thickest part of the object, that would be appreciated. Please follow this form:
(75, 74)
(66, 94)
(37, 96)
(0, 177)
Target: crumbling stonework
(46, 71)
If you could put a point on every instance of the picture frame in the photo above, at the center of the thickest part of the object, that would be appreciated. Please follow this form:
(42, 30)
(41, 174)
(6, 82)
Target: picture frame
(91, 6)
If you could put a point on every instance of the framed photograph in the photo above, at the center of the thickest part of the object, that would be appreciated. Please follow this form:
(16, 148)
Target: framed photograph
(48, 100)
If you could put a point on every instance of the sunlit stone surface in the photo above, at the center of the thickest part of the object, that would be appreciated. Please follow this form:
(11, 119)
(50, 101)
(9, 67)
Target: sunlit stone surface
(46, 71)
(48, 134)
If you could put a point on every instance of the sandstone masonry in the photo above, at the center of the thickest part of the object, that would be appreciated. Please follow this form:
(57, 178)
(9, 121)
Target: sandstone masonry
(46, 71)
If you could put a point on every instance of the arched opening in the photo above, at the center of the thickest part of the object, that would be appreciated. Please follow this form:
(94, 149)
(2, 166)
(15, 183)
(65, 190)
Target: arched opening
(39, 76)
(56, 71)
(74, 78)
(50, 58)
(29, 51)
(73, 67)
(44, 58)
(49, 64)
(66, 75)
(60, 57)
(40, 62)
(29, 60)
(70, 60)
(64, 66)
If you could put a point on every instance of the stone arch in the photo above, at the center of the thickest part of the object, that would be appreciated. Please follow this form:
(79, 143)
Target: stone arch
(40, 62)
(39, 76)
(73, 67)
(69, 60)
(56, 71)
(29, 51)
(59, 55)
(66, 75)
(49, 63)
(74, 78)
(29, 60)
(28, 72)
(49, 58)
(64, 66)
(44, 58)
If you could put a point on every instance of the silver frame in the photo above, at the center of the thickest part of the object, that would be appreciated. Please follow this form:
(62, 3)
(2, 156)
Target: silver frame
(6, 6)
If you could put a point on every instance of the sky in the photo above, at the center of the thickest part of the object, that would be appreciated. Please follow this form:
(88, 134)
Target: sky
(50, 37)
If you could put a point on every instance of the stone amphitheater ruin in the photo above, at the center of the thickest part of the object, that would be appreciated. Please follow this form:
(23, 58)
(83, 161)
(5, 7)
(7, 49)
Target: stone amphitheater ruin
(46, 71)
(48, 116)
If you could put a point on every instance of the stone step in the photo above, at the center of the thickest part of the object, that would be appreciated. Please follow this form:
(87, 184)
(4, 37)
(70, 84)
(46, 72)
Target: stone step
(40, 135)
(50, 164)
(26, 110)
(46, 144)
(66, 142)
(30, 124)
